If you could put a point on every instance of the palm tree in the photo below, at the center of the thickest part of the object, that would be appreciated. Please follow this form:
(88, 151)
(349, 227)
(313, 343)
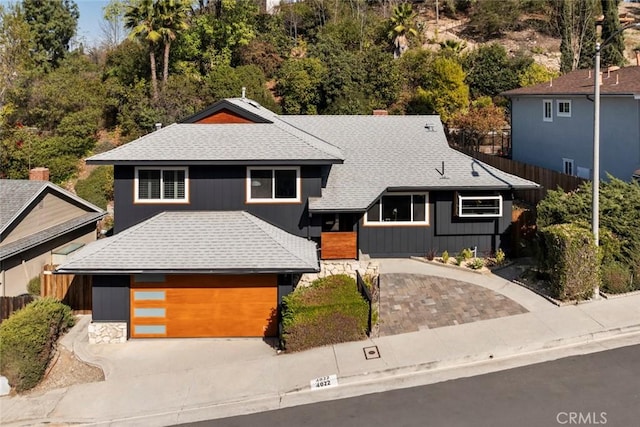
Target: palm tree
(402, 26)
(172, 18)
(141, 19)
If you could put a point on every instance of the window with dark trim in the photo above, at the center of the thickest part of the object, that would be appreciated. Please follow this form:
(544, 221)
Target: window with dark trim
(161, 184)
(399, 209)
(273, 184)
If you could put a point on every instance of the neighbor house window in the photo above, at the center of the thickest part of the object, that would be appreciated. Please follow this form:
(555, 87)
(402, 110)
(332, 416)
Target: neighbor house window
(266, 185)
(399, 209)
(564, 108)
(547, 110)
(568, 166)
(479, 206)
(167, 185)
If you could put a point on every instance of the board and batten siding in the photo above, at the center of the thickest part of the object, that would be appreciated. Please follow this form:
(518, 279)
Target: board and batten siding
(219, 188)
(49, 211)
(110, 295)
(445, 232)
(547, 143)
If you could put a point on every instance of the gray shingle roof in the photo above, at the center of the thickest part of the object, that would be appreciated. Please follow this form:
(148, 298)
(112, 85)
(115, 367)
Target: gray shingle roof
(196, 241)
(396, 152)
(42, 236)
(215, 143)
(17, 194)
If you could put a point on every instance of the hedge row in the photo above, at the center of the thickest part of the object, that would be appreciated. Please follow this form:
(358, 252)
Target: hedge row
(330, 311)
(570, 256)
(28, 338)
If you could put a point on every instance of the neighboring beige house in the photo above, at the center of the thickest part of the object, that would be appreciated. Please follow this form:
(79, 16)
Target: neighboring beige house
(40, 223)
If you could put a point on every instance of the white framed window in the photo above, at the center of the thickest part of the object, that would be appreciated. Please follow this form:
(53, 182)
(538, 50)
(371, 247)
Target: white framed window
(479, 206)
(399, 209)
(166, 185)
(568, 166)
(564, 108)
(547, 110)
(273, 185)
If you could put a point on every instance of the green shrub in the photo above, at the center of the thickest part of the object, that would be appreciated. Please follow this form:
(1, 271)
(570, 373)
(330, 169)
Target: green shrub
(571, 259)
(445, 257)
(97, 188)
(616, 278)
(329, 311)
(500, 257)
(466, 253)
(28, 338)
(33, 287)
(476, 264)
(459, 259)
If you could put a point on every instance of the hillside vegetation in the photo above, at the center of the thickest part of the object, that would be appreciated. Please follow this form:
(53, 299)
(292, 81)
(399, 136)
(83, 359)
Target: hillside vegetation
(60, 104)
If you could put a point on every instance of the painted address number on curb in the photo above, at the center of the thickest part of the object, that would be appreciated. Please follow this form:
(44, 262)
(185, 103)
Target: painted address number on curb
(324, 382)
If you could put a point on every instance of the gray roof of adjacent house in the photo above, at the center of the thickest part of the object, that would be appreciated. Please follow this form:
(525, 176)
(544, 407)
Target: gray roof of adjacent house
(271, 141)
(17, 196)
(395, 152)
(197, 242)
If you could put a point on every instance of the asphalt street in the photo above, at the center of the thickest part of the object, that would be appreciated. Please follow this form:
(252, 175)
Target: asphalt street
(596, 389)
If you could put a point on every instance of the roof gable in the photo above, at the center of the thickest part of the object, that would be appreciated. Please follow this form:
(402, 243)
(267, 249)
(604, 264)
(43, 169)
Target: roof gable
(18, 196)
(234, 110)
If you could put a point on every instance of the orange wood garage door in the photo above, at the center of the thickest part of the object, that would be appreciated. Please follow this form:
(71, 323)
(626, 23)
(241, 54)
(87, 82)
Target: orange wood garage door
(196, 306)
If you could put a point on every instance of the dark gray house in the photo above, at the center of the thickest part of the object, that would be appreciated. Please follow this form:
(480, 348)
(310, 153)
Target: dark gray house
(215, 215)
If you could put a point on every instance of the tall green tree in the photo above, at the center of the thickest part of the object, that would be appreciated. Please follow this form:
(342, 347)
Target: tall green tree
(142, 21)
(299, 85)
(112, 27)
(443, 90)
(613, 51)
(14, 45)
(172, 17)
(490, 71)
(52, 24)
(577, 28)
(403, 26)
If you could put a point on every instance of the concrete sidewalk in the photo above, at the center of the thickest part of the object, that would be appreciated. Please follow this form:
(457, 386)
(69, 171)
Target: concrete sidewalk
(161, 382)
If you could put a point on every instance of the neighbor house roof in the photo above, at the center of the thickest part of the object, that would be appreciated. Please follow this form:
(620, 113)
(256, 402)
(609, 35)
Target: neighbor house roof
(395, 152)
(624, 81)
(197, 242)
(17, 198)
(269, 141)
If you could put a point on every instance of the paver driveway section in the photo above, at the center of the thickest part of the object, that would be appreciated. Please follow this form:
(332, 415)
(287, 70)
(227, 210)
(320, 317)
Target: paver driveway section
(410, 302)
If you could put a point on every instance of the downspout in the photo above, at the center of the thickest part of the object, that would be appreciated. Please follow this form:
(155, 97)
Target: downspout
(2, 283)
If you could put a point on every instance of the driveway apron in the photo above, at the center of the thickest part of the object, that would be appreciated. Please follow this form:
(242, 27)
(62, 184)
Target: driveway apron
(410, 302)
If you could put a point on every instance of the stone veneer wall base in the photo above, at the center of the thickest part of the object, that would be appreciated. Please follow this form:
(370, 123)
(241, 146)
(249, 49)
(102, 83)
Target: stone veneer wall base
(348, 267)
(107, 332)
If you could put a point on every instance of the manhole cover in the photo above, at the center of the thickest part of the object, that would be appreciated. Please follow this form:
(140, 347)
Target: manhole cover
(371, 352)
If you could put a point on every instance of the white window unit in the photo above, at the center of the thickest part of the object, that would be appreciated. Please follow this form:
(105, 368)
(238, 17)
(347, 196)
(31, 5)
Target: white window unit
(166, 185)
(479, 206)
(564, 108)
(547, 110)
(273, 185)
(397, 209)
(568, 166)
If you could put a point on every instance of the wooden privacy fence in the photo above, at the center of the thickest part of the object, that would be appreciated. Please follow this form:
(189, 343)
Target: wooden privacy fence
(10, 304)
(547, 178)
(72, 290)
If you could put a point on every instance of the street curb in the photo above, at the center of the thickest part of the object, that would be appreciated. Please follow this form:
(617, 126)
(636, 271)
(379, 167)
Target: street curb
(356, 384)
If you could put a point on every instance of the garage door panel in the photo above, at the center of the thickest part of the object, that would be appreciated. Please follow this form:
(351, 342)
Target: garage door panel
(214, 311)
